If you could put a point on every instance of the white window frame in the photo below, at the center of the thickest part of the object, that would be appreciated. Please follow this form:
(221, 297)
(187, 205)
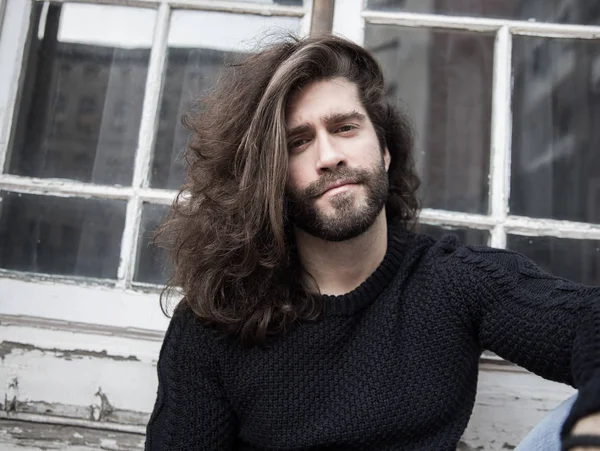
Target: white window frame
(124, 303)
(350, 17)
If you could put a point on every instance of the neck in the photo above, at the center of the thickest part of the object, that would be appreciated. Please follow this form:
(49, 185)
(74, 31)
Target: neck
(340, 267)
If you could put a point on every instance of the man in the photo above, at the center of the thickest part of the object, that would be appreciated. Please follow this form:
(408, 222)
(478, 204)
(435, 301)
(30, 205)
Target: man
(313, 318)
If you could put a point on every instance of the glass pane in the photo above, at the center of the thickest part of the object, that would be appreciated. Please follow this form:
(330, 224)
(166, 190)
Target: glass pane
(57, 235)
(560, 11)
(556, 110)
(466, 236)
(80, 106)
(576, 260)
(443, 80)
(199, 44)
(151, 264)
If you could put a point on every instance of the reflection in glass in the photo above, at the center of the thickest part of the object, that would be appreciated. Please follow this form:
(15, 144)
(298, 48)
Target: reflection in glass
(56, 235)
(585, 12)
(152, 266)
(80, 105)
(200, 42)
(443, 81)
(576, 260)
(474, 237)
(556, 110)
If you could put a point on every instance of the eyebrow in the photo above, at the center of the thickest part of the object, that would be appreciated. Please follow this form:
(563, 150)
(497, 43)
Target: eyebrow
(331, 118)
(335, 118)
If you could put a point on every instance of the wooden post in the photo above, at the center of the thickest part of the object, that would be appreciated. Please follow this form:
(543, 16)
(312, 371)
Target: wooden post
(322, 17)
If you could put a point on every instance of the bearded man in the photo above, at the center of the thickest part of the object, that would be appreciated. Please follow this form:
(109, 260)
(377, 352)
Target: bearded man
(313, 317)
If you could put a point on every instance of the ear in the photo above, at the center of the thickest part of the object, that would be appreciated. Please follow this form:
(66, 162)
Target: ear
(387, 159)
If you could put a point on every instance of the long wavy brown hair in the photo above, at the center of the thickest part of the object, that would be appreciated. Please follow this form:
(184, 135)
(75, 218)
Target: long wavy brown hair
(227, 233)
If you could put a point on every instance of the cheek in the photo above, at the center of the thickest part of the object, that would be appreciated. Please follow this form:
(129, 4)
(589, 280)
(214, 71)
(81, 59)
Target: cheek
(370, 159)
(298, 176)
(366, 151)
(293, 177)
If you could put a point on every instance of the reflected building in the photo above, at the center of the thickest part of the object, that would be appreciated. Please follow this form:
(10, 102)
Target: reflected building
(556, 108)
(443, 80)
(84, 103)
(190, 73)
(460, 85)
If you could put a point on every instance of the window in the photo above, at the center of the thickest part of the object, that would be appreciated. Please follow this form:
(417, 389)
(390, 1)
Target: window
(503, 98)
(91, 143)
(504, 108)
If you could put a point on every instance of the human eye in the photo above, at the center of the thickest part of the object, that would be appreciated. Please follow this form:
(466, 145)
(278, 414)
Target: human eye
(298, 143)
(346, 128)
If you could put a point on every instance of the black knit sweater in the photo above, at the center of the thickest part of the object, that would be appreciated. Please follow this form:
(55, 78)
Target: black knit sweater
(391, 365)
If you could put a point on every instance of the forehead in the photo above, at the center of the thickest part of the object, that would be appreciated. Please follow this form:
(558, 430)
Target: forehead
(322, 98)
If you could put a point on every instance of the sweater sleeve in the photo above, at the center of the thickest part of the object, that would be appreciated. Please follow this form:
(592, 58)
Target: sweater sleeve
(546, 324)
(191, 411)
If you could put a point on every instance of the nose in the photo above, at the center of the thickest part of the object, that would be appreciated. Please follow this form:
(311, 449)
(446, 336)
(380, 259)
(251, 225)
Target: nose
(330, 156)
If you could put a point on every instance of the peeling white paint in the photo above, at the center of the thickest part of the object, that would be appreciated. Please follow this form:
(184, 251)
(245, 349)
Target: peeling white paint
(109, 444)
(72, 188)
(44, 436)
(501, 133)
(550, 227)
(143, 155)
(69, 301)
(101, 374)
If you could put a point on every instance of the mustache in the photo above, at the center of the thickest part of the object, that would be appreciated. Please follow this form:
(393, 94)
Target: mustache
(318, 187)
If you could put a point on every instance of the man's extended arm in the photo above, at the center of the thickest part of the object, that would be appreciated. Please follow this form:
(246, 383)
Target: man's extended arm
(546, 324)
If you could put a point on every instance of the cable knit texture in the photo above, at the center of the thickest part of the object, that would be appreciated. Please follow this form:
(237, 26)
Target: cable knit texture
(390, 366)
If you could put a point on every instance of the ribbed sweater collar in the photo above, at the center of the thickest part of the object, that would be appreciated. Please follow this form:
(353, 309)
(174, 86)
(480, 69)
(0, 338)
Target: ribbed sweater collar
(364, 295)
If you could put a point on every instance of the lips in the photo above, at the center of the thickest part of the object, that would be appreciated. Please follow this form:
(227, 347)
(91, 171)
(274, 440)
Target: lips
(338, 184)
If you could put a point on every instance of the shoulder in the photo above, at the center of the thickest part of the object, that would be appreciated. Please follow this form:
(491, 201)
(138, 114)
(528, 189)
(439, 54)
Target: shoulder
(187, 335)
(450, 254)
(184, 321)
(475, 268)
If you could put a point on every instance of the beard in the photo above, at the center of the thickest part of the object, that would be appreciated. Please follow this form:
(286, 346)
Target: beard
(347, 220)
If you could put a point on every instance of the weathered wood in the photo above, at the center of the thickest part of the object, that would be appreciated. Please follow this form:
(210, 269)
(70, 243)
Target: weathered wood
(510, 402)
(102, 411)
(78, 374)
(25, 436)
(322, 16)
